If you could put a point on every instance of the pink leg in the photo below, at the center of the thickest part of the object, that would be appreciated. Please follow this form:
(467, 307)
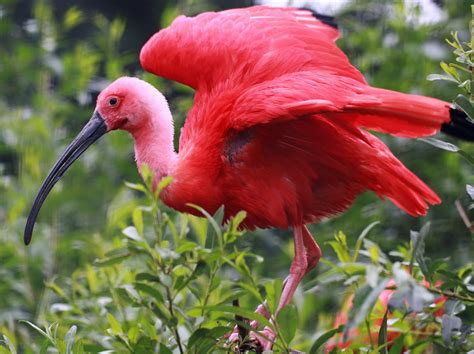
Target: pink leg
(307, 255)
(313, 252)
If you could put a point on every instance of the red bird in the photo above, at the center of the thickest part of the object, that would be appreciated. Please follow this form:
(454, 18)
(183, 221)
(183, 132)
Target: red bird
(278, 126)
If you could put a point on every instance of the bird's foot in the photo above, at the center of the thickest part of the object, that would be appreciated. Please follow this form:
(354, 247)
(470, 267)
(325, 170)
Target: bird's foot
(249, 339)
(258, 341)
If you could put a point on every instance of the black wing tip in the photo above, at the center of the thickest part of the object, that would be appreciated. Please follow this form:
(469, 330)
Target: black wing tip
(326, 19)
(460, 126)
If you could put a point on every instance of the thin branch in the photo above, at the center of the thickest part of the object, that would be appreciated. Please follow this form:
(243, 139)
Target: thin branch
(451, 294)
(464, 217)
(170, 308)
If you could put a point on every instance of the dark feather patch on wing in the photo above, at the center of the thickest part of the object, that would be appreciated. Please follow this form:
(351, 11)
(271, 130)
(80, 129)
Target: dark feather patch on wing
(235, 144)
(326, 19)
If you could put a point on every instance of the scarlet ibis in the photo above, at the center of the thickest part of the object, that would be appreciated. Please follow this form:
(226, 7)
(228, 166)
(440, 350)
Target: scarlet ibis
(278, 126)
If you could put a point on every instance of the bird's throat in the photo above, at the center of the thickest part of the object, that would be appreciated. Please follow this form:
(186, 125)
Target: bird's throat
(154, 148)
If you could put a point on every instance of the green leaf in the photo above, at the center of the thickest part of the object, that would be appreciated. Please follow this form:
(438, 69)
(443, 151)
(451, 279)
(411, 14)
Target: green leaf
(164, 349)
(287, 321)
(364, 299)
(147, 277)
(273, 290)
(463, 103)
(45, 347)
(212, 221)
(114, 324)
(440, 144)
(250, 315)
(155, 293)
(383, 337)
(133, 334)
(9, 344)
(107, 262)
(137, 218)
(468, 157)
(79, 347)
(197, 335)
(39, 330)
(136, 186)
(186, 246)
(323, 338)
(57, 290)
(132, 233)
(340, 247)
(199, 226)
(128, 294)
(450, 70)
(361, 238)
(449, 324)
(72, 18)
(91, 278)
(397, 345)
(434, 77)
(252, 290)
(238, 219)
(70, 339)
(418, 248)
(202, 336)
(470, 191)
(164, 182)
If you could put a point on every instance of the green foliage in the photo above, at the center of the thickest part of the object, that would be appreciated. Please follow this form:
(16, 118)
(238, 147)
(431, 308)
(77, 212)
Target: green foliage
(112, 269)
(167, 282)
(389, 298)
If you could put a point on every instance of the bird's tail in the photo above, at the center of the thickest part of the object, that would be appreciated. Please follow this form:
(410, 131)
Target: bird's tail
(411, 116)
(391, 179)
(460, 126)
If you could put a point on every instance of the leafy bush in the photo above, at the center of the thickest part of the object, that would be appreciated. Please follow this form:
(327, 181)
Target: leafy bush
(168, 282)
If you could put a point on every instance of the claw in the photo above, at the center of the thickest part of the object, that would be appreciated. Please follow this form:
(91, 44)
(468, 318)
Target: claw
(263, 340)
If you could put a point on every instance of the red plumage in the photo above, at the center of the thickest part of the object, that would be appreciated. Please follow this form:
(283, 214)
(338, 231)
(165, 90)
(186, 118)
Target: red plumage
(277, 124)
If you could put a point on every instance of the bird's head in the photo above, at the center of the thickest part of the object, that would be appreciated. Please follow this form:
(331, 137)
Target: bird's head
(125, 104)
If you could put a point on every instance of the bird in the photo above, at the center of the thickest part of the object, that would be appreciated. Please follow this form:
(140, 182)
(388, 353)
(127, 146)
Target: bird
(280, 127)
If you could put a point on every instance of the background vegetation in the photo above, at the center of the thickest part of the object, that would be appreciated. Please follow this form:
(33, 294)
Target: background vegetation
(111, 269)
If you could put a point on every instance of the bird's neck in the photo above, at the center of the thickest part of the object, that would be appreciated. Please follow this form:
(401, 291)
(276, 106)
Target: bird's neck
(154, 144)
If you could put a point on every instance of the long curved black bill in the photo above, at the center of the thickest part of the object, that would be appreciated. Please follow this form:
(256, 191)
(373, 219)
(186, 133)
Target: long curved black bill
(92, 131)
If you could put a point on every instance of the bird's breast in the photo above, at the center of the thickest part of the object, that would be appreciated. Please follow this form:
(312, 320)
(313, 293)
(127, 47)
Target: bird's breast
(196, 184)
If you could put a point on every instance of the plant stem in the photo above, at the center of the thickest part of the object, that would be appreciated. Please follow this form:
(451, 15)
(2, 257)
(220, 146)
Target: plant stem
(451, 294)
(116, 298)
(208, 289)
(441, 292)
(170, 308)
(367, 325)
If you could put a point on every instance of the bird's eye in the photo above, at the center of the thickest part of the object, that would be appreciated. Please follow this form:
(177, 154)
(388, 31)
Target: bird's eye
(113, 101)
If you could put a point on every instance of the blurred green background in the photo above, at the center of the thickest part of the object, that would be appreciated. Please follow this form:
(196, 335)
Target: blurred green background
(55, 56)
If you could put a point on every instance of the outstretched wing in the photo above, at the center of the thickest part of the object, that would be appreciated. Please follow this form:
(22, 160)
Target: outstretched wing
(302, 94)
(302, 132)
(248, 45)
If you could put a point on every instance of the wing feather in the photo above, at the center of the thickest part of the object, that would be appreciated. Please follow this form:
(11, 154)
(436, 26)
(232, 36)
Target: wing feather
(303, 94)
(244, 45)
